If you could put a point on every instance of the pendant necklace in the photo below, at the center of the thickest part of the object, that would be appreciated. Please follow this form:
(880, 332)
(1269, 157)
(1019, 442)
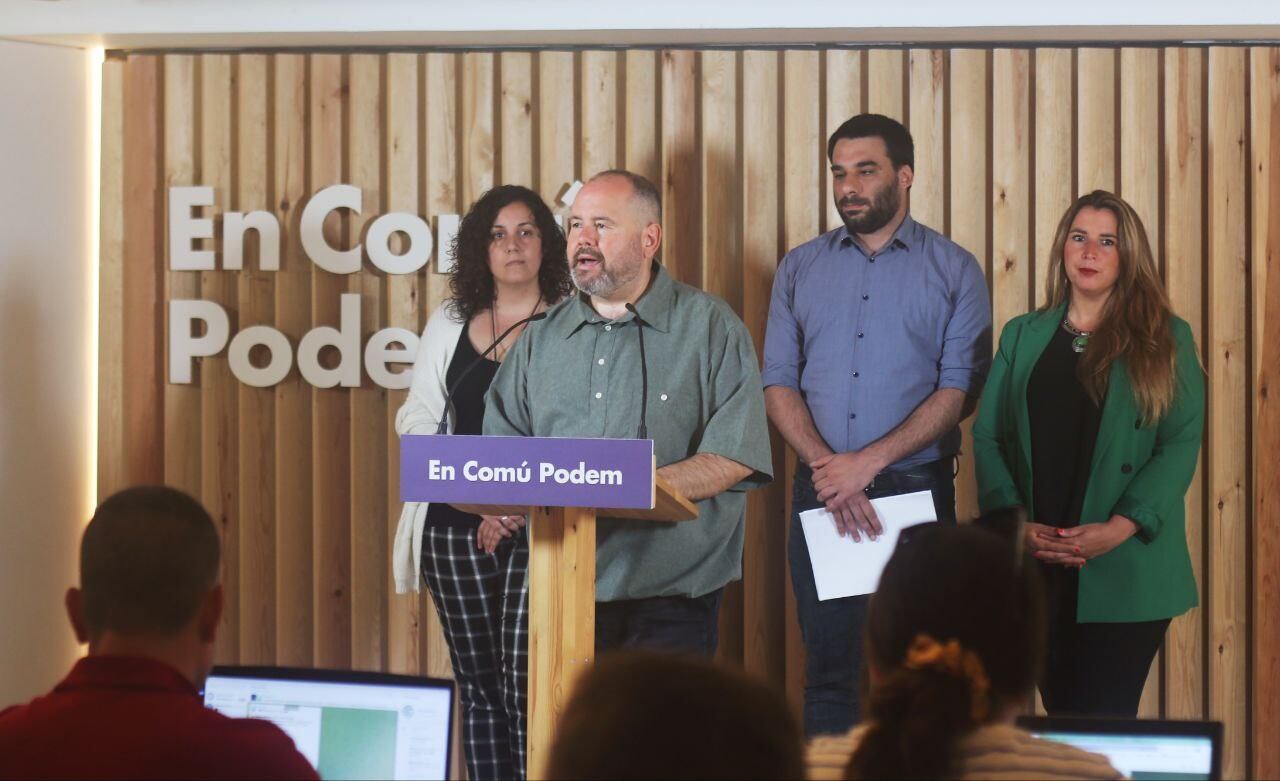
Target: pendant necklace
(501, 350)
(1080, 339)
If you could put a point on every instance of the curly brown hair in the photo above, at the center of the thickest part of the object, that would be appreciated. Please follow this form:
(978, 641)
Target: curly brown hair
(471, 283)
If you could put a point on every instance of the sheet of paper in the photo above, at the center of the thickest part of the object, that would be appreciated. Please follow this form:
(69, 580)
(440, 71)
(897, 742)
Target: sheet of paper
(844, 568)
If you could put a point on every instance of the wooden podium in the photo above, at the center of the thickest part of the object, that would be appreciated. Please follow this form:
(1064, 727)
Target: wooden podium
(562, 586)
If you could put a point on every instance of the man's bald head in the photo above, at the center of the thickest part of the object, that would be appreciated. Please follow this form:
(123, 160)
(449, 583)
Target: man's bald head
(644, 194)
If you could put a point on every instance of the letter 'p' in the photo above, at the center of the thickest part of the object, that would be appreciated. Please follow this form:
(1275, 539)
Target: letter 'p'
(183, 345)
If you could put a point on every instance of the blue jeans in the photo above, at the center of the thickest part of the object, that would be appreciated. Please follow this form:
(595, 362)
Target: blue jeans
(687, 625)
(832, 629)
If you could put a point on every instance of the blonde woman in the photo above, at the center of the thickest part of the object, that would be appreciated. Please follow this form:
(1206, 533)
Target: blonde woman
(1091, 421)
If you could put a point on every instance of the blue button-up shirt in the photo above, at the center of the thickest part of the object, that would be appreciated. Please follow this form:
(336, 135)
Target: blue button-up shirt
(867, 338)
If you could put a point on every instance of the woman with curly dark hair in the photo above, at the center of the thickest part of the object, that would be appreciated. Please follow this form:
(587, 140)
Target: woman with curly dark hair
(509, 264)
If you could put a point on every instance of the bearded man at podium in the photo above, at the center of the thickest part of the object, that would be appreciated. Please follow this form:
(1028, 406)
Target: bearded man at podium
(638, 355)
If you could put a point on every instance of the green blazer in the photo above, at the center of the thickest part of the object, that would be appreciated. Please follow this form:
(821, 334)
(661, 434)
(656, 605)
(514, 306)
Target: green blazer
(1139, 471)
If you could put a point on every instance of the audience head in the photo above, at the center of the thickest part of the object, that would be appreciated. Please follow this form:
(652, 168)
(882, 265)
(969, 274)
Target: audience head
(614, 230)
(954, 640)
(509, 236)
(872, 168)
(149, 578)
(636, 715)
(1101, 252)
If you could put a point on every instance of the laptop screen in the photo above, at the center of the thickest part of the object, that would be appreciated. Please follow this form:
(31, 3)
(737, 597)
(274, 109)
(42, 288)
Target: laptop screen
(347, 724)
(1140, 749)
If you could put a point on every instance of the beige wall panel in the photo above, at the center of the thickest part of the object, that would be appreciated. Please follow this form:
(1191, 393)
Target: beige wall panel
(515, 80)
(1096, 119)
(368, 403)
(764, 583)
(111, 283)
(1011, 179)
(219, 403)
(403, 305)
(641, 120)
(295, 610)
(928, 73)
(1054, 162)
(181, 401)
(1182, 243)
(598, 109)
(680, 186)
(969, 221)
(1225, 354)
(477, 126)
(844, 99)
(256, 460)
(886, 80)
(331, 414)
(557, 120)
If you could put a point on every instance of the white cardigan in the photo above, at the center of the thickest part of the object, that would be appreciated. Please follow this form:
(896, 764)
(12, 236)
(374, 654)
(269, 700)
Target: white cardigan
(420, 415)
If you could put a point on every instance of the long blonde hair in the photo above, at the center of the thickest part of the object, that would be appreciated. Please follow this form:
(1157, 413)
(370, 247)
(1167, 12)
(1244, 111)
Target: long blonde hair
(1135, 323)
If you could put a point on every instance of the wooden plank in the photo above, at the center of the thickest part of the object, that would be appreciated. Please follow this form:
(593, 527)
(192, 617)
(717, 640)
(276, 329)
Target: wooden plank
(142, 409)
(598, 109)
(515, 78)
(764, 580)
(368, 403)
(295, 608)
(1140, 187)
(1096, 113)
(1054, 164)
(1182, 243)
(403, 311)
(845, 99)
(331, 414)
(477, 126)
(886, 80)
(219, 402)
(562, 617)
(680, 186)
(557, 121)
(803, 160)
(1227, 360)
(928, 72)
(111, 442)
(969, 214)
(641, 120)
(721, 251)
(1265, 147)
(182, 450)
(257, 456)
(443, 196)
(1011, 180)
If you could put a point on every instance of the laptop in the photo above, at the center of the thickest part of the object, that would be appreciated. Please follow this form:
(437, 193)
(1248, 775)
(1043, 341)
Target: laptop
(1139, 748)
(347, 724)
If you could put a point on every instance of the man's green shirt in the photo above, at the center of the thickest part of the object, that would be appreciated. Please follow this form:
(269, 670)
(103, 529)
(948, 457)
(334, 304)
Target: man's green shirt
(576, 374)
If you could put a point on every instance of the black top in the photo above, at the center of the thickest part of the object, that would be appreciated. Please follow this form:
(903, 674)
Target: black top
(468, 418)
(1064, 428)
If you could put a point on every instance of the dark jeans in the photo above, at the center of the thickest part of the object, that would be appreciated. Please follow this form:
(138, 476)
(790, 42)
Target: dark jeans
(832, 629)
(688, 625)
(1093, 669)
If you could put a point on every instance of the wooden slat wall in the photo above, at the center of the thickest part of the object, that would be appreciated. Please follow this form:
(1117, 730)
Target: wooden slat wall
(302, 480)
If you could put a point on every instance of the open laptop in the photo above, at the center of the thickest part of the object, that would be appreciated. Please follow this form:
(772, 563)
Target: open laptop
(347, 724)
(1139, 748)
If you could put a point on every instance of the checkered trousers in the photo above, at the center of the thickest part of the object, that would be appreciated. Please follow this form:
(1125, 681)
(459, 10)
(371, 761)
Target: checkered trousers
(483, 604)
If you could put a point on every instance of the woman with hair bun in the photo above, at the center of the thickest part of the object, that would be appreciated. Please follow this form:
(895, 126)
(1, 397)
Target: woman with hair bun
(954, 643)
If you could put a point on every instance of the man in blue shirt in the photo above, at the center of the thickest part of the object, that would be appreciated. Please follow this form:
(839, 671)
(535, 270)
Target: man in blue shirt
(878, 343)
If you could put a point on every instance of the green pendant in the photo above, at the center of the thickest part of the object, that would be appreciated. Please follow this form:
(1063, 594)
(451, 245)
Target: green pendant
(1079, 343)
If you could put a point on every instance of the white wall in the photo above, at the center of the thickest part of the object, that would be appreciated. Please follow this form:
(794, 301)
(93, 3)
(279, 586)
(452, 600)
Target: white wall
(46, 445)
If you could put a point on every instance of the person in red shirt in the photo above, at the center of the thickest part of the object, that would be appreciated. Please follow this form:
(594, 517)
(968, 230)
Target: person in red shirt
(148, 606)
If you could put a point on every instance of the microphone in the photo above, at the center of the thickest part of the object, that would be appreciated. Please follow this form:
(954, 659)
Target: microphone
(443, 428)
(643, 431)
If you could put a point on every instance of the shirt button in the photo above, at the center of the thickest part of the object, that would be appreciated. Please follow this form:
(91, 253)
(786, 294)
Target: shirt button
(599, 395)
(852, 415)
(608, 328)
(865, 296)
(873, 260)
(600, 362)
(855, 374)
(663, 397)
(859, 334)
(1126, 468)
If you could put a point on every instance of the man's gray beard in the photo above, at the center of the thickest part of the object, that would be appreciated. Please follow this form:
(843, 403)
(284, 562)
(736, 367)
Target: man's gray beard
(606, 282)
(883, 206)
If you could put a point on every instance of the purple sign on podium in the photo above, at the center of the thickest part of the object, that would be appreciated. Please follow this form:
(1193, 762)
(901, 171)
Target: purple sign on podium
(547, 471)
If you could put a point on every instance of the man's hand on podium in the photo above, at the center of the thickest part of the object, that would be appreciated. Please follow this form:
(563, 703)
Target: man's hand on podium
(495, 528)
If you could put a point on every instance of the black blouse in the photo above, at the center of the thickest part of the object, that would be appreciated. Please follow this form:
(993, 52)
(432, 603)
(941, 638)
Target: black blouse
(468, 418)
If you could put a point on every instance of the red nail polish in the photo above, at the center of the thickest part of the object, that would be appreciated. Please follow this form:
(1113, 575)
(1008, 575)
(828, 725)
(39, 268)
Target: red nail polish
(1061, 532)
(1076, 549)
